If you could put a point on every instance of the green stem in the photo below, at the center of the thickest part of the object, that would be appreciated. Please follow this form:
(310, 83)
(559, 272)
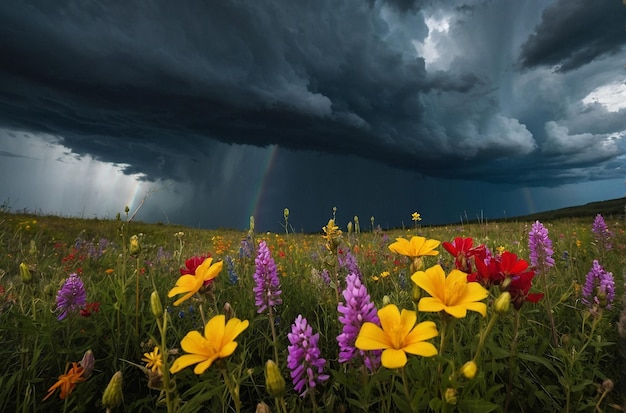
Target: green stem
(168, 388)
(274, 337)
(483, 336)
(232, 389)
(407, 394)
(512, 365)
(548, 306)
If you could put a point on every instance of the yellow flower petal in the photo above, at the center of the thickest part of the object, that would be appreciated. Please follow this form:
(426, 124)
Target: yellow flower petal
(203, 366)
(456, 311)
(193, 342)
(393, 359)
(430, 305)
(401, 246)
(234, 327)
(421, 348)
(478, 307)
(389, 317)
(372, 337)
(214, 330)
(423, 331)
(228, 349)
(186, 360)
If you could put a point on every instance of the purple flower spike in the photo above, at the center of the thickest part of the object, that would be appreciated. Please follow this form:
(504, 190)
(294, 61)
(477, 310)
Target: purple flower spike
(304, 359)
(267, 289)
(599, 288)
(540, 247)
(71, 297)
(357, 309)
(348, 261)
(601, 233)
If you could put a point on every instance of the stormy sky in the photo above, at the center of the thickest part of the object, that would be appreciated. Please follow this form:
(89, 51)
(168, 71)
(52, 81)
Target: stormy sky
(213, 111)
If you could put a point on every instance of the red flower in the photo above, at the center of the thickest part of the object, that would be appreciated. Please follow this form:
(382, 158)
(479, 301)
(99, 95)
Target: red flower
(487, 270)
(519, 288)
(463, 250)
(90, 308)
(192, 263)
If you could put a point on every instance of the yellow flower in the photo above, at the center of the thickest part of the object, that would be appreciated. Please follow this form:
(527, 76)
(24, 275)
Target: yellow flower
(384, 274)
(416, 247)
(416, 217)
(399, 335)
(469, 369)
(153, 360)
(500, 249)
(190, 284)
(67, 382)
(217, 342)
(452, 294)
(579, 243)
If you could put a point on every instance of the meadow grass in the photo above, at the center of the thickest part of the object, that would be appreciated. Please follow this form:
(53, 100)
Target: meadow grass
(519, 366)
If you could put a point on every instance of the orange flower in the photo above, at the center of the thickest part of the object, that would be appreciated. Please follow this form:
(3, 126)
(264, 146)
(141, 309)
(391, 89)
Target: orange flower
(67, 382)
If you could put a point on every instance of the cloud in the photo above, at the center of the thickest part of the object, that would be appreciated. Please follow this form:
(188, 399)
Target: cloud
(573, 33)
(423, 87)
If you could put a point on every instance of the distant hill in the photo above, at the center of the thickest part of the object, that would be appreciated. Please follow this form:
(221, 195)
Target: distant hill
(610, 208)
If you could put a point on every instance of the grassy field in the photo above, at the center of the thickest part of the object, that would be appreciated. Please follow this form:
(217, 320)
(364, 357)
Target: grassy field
(561, 351)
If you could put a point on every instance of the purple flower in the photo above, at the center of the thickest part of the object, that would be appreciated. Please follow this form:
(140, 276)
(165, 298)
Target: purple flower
(357, 309)
(304, 359)
(267, 288)
(71, 297)
(599, 288)
(601, 233)
(540, 247)
(347, 261)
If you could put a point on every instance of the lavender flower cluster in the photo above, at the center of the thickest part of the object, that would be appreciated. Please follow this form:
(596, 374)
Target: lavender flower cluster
(267, 285)
(540, 247)
(304, 359)
(71, 297)
(599, 288)
(357, 309)
(602, 233)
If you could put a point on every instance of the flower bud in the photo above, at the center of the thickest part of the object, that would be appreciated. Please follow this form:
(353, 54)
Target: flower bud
(113, 394)
(607, 385)
(416, 293)
(350, 227)
(450, 396)
(505, 284)
(155, 305)
(386, 300)
(25, 274)
(262, 408)
(228, 311)
(87, 363)
(417, 264)
(502, 303)
(469, 369)
(134, 247)
(274, 381)
(286, 213)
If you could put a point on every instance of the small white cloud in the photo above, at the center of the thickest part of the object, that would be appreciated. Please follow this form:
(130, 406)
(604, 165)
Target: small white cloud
(612, 96)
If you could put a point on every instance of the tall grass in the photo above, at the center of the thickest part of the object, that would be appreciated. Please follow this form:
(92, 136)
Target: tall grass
(519, 368)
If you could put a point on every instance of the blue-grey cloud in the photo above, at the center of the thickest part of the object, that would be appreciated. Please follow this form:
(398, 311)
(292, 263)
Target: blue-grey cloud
(573, 33)
(155, 85)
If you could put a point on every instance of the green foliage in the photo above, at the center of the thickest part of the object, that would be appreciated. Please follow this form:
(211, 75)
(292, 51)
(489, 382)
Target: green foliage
(519, 369)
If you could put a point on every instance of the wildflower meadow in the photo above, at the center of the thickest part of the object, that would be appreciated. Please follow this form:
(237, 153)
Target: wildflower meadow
(118, 315)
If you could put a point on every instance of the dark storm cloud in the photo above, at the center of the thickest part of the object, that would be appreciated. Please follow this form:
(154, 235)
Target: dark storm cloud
(155, 85)
(572, 33)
